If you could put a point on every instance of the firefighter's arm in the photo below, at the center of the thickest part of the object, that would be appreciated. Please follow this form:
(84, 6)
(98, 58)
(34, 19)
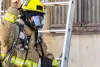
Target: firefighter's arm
(12, 12)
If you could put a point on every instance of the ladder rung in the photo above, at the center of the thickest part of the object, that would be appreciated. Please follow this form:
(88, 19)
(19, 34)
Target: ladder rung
(56, 3)
(59, 59)
(1, 16)
(1, 11)
(52, 31)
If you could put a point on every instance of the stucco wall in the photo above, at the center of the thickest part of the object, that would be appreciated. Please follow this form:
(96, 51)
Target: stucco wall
(84, 51)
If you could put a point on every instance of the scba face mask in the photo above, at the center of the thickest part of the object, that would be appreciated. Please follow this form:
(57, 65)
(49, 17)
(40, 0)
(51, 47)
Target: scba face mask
(32, 19)
(36, 21)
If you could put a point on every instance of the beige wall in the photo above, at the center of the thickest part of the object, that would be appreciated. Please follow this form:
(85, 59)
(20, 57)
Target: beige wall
(84, 51)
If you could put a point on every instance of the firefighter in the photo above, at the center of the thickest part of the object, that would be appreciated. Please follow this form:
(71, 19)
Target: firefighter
(33, 14)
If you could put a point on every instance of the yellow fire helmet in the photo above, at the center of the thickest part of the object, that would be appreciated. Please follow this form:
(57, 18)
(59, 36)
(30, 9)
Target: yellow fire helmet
(33, 5)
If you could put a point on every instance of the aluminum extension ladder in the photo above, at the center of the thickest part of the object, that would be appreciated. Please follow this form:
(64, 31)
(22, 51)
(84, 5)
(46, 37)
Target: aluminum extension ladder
(67, 31)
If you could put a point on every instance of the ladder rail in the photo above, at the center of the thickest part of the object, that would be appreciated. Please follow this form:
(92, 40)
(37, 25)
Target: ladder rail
(68, 33)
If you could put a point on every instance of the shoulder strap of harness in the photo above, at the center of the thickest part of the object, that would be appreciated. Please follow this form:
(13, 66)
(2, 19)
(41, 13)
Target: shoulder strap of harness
(38, 41)
(45, 62)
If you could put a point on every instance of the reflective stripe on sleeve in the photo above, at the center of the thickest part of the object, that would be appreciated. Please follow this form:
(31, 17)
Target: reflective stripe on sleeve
(2, 55)
(55, 63)
(10, 17)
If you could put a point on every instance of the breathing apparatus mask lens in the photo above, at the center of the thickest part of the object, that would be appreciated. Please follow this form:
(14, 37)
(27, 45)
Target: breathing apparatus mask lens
(36, 21)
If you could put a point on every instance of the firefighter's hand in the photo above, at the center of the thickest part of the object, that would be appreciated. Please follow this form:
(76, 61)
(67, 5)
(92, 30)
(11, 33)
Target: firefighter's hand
(17, 2)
